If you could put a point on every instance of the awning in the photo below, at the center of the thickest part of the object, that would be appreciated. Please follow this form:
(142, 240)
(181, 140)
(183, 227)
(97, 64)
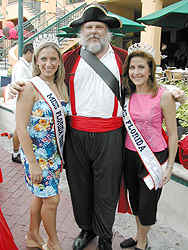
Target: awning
(127, 24)
(174, 16)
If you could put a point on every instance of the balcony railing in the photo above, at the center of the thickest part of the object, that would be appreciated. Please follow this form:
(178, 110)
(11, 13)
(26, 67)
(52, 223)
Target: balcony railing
(63, 21)
(41, 25)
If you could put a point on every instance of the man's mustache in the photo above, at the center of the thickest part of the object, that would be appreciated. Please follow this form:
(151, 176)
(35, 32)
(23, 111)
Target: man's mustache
(93, 36)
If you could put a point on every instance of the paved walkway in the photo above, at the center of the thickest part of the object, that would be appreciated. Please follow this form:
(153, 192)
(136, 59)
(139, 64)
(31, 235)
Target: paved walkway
(15, 200)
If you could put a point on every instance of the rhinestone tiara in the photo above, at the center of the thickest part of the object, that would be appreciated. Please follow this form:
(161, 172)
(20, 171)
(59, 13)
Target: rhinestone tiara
(44, 38)
(143, 47)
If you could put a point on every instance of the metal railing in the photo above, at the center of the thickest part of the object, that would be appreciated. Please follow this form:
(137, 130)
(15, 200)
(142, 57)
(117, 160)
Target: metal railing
(40, 28)
(4, 49)
(54, 27)
(34, 20)
(35, 24)
(32, 26)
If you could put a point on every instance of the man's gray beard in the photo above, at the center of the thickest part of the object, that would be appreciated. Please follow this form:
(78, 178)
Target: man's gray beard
(95, 47)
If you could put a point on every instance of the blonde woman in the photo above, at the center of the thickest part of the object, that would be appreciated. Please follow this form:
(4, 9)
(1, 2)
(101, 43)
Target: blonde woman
(39, 111)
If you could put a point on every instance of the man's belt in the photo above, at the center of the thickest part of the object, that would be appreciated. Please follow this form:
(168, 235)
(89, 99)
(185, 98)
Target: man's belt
(95, 124)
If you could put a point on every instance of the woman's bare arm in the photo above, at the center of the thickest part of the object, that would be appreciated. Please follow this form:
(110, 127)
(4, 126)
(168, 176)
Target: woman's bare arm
(169, 111)
(23, 112)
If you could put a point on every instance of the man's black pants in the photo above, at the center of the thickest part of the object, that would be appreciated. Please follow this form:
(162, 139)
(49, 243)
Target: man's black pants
(94, 166)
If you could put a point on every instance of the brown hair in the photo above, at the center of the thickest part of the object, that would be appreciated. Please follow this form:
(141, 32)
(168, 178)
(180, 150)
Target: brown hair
(152, 83)
(60, 73)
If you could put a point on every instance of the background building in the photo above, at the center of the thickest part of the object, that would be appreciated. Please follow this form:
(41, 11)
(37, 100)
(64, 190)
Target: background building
(54, 9)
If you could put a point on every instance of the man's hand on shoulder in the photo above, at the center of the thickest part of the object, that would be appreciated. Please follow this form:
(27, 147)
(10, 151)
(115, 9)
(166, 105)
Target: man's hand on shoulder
(15, 88)
(177, 93)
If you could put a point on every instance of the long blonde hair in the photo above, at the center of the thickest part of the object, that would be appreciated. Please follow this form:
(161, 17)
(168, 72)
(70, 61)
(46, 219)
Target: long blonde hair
(59, 74)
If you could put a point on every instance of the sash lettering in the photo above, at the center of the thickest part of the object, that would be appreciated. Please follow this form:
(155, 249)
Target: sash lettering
(56, 108)
(154, 178)
(53, 101)
(137, 139)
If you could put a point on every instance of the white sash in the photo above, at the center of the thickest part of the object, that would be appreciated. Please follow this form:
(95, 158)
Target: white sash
(154, 178)
(56, 108)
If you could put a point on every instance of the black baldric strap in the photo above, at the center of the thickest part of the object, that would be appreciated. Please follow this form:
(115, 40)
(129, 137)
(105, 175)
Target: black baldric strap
(102, 71)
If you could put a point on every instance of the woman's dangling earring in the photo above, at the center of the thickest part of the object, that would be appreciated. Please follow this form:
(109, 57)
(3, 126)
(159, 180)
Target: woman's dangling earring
(38, 69)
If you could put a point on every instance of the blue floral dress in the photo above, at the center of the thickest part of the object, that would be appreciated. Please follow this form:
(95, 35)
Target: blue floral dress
(41, 131)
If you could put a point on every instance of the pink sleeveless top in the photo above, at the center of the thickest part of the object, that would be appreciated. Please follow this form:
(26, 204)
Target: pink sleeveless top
(147, 115)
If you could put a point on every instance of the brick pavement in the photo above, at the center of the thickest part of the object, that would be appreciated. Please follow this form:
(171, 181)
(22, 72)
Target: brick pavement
(15, 201)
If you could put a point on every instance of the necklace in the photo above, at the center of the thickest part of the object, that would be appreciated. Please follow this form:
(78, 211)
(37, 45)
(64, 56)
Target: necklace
(50, 83)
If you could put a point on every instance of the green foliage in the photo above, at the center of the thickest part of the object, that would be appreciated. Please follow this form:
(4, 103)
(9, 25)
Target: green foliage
(182, 112)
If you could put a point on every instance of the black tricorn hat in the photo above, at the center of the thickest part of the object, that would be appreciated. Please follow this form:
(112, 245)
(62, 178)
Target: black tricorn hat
(96, 13)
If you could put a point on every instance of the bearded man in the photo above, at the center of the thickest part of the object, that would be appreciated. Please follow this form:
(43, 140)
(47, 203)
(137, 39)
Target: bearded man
(94, 141)
(93, 150)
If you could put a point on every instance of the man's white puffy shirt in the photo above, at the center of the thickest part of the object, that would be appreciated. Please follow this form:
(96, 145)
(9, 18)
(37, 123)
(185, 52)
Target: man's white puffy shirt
(22, 70)
(93, 97)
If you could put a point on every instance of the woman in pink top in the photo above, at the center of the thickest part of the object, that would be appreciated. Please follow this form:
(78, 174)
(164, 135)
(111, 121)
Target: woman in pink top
(148, 105)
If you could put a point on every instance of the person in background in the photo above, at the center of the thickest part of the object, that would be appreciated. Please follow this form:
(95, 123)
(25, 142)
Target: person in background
(164, 56)
(181, 55)
(6, 238)
(1, 175)
(146, 106)
(22, 71)
(39, 110)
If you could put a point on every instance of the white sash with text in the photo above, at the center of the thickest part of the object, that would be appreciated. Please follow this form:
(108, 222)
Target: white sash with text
(56, 108)
(154, 178)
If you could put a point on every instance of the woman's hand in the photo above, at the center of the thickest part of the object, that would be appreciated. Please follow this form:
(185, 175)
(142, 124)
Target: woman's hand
(167, 174)
(36, 174)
